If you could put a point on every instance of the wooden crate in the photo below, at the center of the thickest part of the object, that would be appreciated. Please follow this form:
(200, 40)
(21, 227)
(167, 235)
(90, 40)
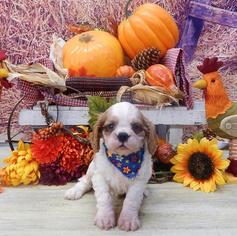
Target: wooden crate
(173, 118)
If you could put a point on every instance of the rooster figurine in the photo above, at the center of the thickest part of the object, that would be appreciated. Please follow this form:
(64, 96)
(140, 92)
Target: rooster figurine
(221, 112)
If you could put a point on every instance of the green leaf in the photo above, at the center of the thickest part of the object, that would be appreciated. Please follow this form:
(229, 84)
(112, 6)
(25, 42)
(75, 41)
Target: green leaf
(98, 105)
(198, 136)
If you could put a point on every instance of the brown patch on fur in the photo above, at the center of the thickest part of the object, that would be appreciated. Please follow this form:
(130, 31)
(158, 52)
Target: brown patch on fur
(97, 132)
(151, 135)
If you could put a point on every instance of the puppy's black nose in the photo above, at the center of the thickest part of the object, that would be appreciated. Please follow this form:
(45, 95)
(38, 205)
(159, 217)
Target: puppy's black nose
(123, 137)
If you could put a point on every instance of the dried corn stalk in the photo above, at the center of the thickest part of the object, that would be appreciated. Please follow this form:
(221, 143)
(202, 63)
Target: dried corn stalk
(36, 74)
(143, 93)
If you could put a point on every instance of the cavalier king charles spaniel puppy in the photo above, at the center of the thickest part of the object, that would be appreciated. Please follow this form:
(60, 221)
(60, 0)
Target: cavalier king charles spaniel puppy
(123, 141)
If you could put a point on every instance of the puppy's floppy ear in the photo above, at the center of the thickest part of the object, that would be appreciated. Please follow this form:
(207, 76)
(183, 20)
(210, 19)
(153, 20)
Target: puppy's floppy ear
(97, 132)
(151, 135)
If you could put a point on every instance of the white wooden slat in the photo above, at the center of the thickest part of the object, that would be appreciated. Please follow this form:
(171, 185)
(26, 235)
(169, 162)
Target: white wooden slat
(79, 115)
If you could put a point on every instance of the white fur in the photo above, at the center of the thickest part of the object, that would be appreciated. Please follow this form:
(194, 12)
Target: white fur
(105, 178)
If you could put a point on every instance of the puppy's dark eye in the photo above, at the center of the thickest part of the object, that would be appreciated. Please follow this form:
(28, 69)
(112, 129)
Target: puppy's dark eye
(137, 128)
(213, 80)
(109, 127)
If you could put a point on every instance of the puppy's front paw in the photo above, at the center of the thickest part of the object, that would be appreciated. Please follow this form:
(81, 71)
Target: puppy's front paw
(105, 220)
(128, 222)
(73, 193)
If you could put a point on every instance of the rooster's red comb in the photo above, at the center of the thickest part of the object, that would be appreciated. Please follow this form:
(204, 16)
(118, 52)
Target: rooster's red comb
(210, 65)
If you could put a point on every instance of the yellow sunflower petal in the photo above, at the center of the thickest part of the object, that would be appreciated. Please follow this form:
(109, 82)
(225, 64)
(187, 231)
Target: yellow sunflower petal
(222, 164)
(179, 157)
(173, 161)
(187, 180)
(213, 184)
(202, 186)
(219, 177)
(195, 185)
(179, 177)
(204, 145)
(207, 185)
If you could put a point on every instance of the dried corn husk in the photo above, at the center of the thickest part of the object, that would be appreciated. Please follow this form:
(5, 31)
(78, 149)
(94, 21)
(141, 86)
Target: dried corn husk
(143, 93)
(36, 74)
(147, 94)
(56, 55)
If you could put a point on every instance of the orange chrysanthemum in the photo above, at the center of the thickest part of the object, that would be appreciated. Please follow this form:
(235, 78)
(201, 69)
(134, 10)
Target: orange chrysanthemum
(47, 151)
(75, 154)
(199, 165)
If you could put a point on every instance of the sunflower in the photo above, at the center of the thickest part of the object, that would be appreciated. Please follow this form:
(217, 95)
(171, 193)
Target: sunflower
(199, 165)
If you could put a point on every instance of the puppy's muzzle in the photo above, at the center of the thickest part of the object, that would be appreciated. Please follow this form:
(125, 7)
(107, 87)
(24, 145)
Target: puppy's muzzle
(123, 137)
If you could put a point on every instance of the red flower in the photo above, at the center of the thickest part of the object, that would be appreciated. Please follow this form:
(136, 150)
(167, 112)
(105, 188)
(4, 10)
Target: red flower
(46, 151)
(75, 154)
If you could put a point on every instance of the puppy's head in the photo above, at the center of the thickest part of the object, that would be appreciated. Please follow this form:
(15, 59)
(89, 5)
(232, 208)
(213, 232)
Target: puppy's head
(124, 130)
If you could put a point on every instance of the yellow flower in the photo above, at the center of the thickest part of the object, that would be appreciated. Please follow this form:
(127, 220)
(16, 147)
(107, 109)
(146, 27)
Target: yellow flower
(199, 165)
(21, 167)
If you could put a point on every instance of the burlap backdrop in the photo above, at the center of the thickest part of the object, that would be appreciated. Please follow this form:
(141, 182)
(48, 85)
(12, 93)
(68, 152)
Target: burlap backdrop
(27, 27)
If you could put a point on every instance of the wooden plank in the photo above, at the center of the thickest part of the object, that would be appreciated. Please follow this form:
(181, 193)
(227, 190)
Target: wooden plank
(79, 115)
(169, 210)
(213, 14)
(175, 135)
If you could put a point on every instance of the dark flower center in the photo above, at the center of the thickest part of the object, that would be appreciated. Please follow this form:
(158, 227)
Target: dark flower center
(200, 166)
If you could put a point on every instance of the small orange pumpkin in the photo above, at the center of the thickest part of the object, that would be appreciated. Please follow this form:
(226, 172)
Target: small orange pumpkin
(93, 53)
(149, 26)
(161, 76)
(125, 71)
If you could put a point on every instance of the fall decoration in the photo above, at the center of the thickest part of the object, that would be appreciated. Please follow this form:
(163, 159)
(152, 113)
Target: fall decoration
(21, 167)
(64, 155)
(165, 152)
(36, 73)
(160, 76)
(93, 53)
(85, 84)
(146, 58)
(221, 111)
(78, 29)
(125, 71)
(142, 93)
(199, 165)
(53, 174)
(96, 106)
(46, 150)
(53, 130)
(75, 153)
(149, 26)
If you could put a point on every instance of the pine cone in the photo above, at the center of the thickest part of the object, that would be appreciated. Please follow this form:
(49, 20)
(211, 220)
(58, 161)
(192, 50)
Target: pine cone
(146, 58)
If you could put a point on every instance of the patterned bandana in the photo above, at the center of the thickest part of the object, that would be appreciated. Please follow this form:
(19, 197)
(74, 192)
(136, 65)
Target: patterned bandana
(129, 165)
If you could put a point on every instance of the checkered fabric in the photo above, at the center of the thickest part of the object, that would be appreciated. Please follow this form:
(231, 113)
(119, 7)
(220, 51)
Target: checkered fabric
(175, 62)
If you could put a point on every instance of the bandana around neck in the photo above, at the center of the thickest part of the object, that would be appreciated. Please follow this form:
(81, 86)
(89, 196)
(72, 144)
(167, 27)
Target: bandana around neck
(128, 165)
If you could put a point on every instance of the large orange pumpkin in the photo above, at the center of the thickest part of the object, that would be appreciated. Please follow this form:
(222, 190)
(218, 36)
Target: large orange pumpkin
(149, 26)
(93, 53)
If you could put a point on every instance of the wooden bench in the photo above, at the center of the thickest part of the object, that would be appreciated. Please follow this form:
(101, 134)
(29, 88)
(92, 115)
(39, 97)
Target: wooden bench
(170, 120)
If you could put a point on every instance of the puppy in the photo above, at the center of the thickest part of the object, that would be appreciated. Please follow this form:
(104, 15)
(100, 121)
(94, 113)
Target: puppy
(124, 141)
